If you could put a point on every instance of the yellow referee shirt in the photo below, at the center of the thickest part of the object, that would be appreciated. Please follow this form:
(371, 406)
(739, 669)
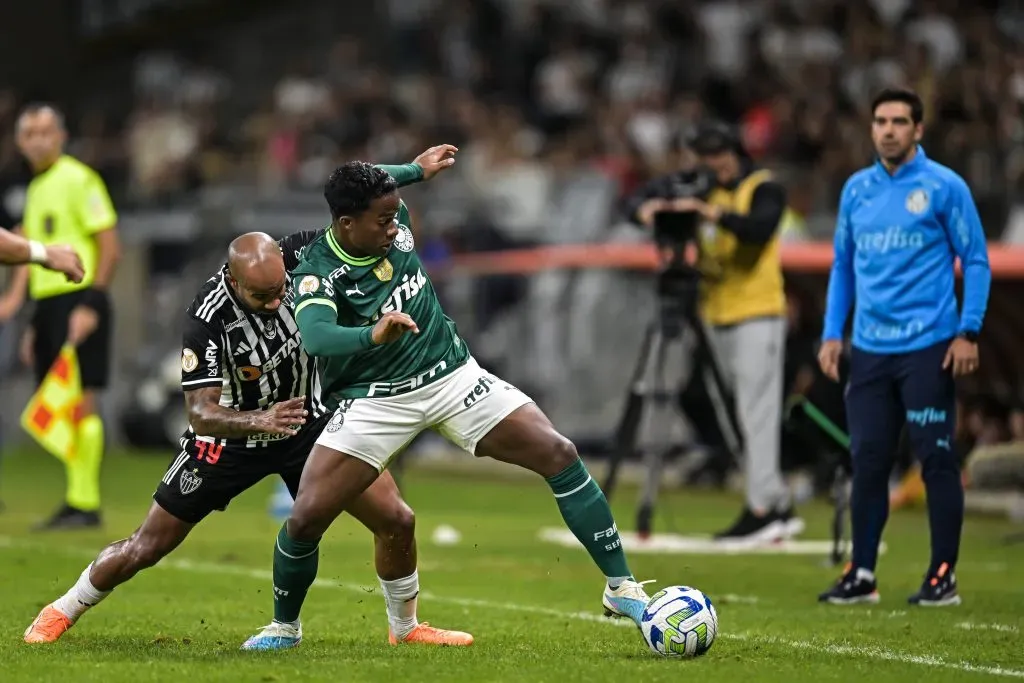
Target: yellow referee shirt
(67, 203)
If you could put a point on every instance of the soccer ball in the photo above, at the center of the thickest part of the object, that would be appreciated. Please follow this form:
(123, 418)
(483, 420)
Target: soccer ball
(679, 621)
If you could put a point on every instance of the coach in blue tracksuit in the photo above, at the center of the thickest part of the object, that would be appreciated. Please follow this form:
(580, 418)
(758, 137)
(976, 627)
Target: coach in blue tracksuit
(901, 224)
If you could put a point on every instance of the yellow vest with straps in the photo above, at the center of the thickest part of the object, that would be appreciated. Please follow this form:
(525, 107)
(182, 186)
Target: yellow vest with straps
(741, 281)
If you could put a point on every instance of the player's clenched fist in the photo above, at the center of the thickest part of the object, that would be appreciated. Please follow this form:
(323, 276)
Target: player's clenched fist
(284, 418)
(64, 259)
(391, 327)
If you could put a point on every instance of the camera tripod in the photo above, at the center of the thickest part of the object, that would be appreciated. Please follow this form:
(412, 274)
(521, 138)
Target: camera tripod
(676, 321)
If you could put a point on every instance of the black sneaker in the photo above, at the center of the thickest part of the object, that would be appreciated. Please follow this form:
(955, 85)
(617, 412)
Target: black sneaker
(754, 528)
(68, 518)
(792, 525)
(855, 587)
(938, 590)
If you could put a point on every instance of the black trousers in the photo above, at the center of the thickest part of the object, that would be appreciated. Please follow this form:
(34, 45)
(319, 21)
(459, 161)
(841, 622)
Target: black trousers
(886, 391)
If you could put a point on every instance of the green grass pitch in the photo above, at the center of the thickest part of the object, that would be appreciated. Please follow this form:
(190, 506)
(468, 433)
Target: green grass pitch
(533, 607)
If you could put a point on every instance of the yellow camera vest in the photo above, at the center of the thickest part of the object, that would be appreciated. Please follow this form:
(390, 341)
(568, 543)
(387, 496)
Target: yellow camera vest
(741, 281)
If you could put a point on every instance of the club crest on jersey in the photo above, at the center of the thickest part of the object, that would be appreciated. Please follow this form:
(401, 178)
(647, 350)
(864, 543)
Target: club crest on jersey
(269, 329)
(404, 240)
(384, 270)
(189, 481)
(336, 423)
(309, 284)
(917, 201)
(189, 360)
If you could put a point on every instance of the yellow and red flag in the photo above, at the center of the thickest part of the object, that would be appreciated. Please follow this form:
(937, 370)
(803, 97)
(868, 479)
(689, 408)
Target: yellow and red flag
(50, 415)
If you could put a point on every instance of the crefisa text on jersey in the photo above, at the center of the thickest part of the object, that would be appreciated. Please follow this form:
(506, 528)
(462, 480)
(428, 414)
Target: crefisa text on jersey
(402, 294)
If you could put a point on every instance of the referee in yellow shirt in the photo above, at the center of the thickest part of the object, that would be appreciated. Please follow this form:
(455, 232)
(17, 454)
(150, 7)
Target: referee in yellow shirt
(68, 203)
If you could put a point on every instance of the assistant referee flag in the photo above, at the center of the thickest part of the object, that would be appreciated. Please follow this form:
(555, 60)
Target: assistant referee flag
(50, 416)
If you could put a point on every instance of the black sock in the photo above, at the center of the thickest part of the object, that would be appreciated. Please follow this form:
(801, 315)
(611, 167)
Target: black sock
(869, 508)
(945, 492)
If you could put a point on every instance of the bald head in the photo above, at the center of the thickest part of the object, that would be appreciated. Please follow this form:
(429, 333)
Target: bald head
(257, 269)
(256, 256)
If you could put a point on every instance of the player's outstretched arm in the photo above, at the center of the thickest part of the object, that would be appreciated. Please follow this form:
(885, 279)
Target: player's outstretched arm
(209, 418)
(15, 249)
(322, 336)
(424, 167)
(436, 159)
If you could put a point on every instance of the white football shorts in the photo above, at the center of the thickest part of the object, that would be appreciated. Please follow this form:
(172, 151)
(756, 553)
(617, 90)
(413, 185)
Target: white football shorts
(463, 407)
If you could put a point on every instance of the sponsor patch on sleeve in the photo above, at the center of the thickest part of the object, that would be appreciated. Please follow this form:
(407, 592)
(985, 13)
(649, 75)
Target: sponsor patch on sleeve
(309, 284)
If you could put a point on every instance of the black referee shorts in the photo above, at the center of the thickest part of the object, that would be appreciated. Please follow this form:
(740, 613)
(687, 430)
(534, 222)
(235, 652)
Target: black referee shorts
(204, 477)
(50, 323)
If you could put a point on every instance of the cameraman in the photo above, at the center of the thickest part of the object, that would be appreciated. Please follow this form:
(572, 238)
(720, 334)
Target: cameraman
(743, 303)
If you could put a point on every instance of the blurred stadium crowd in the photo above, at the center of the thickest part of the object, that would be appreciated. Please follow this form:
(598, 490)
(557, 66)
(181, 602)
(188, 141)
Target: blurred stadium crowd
(560, 109)
(533, 89)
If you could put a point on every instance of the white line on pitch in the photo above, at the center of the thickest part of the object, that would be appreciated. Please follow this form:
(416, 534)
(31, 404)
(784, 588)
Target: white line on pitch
(1002, 628)
(878, 653)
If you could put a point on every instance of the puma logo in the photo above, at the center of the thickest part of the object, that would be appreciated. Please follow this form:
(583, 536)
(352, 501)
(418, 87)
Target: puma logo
(350, 292)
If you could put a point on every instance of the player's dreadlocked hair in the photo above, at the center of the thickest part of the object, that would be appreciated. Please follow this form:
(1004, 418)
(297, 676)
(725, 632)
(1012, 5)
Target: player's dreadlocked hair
(352, 186)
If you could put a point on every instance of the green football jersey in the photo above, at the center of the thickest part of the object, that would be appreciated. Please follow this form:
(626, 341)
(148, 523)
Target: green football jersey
(363, 289)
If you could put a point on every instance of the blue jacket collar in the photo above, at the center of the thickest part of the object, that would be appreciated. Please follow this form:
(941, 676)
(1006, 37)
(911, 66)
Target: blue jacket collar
(908, 168)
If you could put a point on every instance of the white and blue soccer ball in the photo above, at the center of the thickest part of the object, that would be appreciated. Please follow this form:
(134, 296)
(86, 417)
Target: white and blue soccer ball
(679, 621)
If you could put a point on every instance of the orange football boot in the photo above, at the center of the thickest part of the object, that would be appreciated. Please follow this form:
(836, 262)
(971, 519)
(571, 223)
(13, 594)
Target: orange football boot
(49, 626)
(430, 635)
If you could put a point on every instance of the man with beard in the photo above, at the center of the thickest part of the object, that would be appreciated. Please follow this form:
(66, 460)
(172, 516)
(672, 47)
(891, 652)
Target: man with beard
(902, 223)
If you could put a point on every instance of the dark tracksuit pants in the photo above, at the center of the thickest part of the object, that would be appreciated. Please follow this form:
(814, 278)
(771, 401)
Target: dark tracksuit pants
(883, 393)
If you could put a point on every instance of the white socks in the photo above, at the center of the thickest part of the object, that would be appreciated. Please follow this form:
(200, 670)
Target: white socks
(80, 598)
(615, 581)
(400, 599)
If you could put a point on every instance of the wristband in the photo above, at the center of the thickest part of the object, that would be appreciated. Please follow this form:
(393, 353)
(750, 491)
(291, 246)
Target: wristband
(36, 252)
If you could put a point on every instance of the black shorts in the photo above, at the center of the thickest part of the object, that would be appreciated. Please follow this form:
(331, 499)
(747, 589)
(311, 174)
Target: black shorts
(50, 323)
(202, 478)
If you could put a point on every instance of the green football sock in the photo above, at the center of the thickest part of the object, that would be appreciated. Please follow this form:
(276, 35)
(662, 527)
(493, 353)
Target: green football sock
(83, 470)
(585, 511)
(295, 565)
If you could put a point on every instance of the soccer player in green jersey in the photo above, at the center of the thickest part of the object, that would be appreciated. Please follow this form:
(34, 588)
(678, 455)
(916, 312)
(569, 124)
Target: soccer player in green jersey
(393, 364)
(68, 203)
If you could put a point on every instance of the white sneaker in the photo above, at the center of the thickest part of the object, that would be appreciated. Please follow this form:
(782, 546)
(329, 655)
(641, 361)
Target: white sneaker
(275, 636)
(628, 600)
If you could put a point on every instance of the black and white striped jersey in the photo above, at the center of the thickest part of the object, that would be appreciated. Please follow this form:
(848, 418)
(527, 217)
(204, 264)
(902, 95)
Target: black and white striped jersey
(255, 360)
